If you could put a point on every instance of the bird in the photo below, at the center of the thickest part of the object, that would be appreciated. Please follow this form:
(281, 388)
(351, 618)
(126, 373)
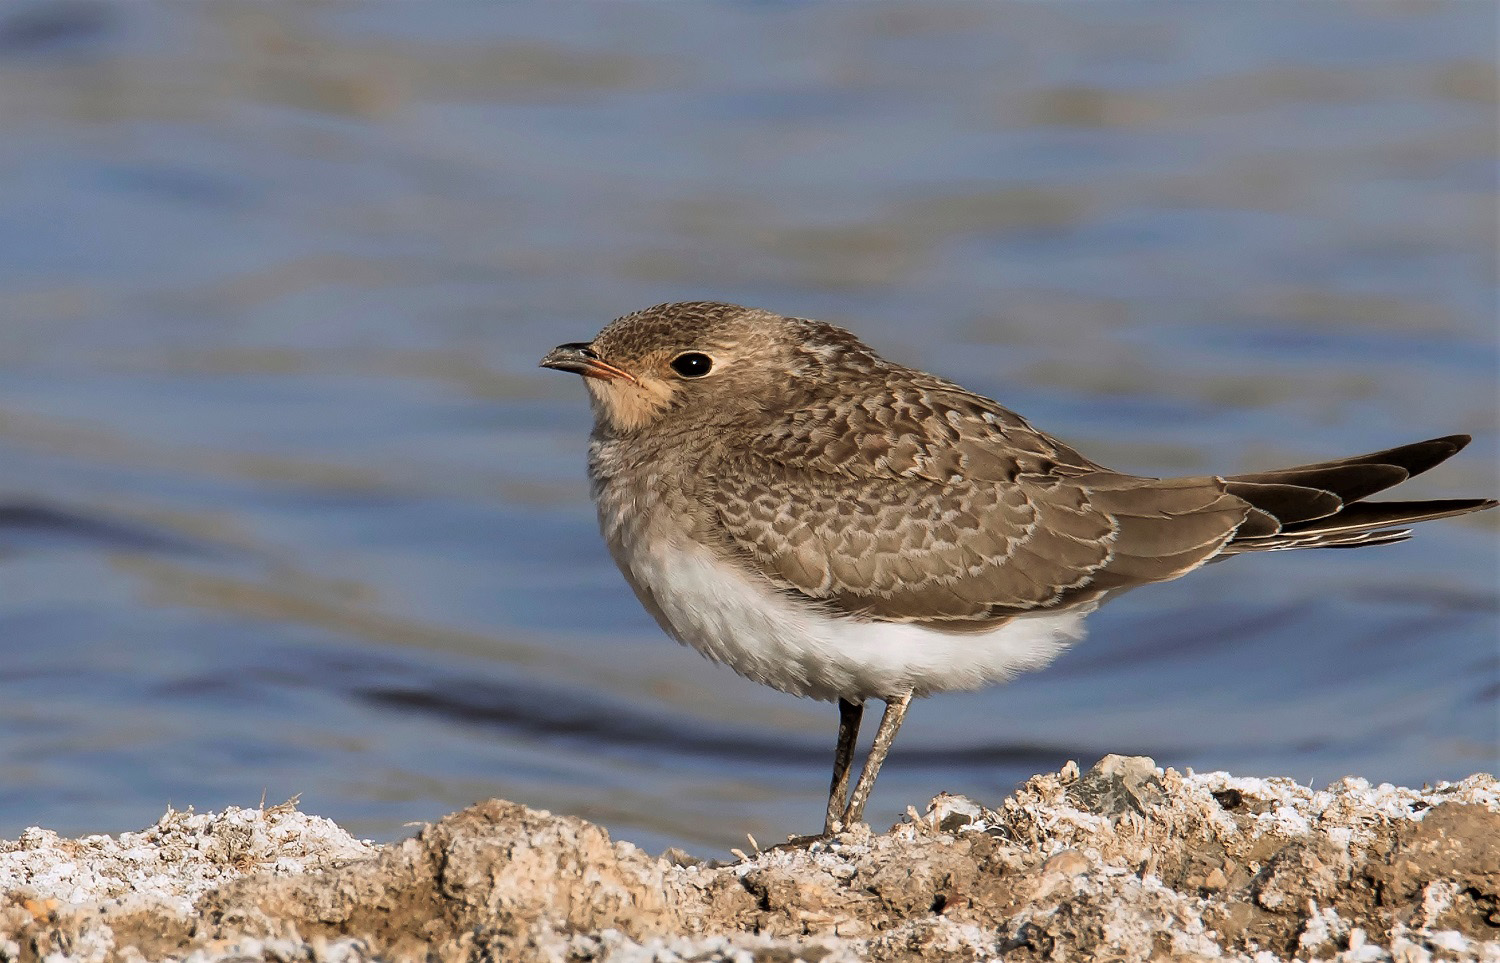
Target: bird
(842, 527)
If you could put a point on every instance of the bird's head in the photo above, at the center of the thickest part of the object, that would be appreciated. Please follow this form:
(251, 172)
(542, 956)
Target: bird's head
(702, 360)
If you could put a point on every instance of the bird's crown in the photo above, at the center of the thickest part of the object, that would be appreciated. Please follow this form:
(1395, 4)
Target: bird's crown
(705, 360)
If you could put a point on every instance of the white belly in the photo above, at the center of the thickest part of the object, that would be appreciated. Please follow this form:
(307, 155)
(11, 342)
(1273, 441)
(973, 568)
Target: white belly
(743, 622)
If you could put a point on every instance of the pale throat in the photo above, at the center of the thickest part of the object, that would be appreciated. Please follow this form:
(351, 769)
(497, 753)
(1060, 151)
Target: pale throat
(628, 405)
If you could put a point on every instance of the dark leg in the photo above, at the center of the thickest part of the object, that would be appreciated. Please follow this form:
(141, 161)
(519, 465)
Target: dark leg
(850, 714)
(895, 712)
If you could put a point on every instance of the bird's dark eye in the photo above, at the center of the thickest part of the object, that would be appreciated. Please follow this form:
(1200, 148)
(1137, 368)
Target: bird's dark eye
(692, 364)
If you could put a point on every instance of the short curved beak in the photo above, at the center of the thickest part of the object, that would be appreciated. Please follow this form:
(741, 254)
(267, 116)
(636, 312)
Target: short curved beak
(580, 358)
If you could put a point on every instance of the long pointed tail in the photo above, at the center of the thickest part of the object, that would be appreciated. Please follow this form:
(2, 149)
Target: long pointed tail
(1320, 506)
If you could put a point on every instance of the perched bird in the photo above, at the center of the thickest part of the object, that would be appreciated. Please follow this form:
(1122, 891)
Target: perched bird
(835, 525)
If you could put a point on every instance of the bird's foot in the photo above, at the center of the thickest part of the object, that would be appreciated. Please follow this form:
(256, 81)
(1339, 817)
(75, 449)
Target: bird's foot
(794, 843)
(829, 833)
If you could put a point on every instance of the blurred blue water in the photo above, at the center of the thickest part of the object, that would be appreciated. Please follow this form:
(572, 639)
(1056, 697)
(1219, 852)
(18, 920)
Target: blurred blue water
(286, 507)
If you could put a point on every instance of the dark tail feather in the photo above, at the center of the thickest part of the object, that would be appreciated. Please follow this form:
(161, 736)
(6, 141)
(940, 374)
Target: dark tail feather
(1413, 459)
(1318, 506)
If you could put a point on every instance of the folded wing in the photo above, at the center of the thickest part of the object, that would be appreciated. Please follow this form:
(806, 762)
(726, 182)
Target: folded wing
(963, 549)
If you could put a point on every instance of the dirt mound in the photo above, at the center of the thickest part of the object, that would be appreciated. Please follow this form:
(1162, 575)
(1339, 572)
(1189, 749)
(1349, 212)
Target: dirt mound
(1125, 862)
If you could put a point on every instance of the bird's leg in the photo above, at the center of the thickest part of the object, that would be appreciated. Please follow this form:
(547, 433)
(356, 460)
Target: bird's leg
(850, 714)
(890, 722)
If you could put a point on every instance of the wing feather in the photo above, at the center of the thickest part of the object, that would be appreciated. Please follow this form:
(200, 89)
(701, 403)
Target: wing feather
(910, 549)
(920, 502)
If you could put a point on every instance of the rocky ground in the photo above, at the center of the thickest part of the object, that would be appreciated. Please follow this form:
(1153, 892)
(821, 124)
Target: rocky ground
(1124, 862)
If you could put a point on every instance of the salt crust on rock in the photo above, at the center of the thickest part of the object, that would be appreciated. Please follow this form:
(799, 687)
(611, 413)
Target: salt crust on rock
(176, 861)
(1124, 862)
